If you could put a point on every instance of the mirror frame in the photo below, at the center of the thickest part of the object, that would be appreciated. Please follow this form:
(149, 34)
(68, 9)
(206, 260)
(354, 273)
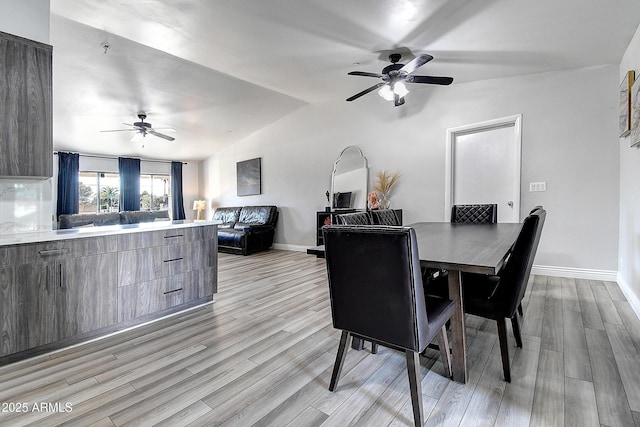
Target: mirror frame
(366, 183)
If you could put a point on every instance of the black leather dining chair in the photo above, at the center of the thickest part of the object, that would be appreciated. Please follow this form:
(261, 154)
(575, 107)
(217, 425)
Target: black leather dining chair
(376, 293)
(498, 297)
(535, 208)
(384, 217)
(354, 218)
(476, 214)
(468, 214)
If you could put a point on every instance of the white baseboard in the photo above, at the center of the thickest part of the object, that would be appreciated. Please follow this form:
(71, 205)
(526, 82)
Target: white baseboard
(287, 247)
(575, 273)
(634, 300)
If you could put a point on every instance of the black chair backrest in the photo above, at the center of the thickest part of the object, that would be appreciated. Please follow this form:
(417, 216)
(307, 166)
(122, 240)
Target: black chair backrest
(535, 208)
(476, 214)
(375, 284)
(354, 218)
(384, 217)
(514, 277)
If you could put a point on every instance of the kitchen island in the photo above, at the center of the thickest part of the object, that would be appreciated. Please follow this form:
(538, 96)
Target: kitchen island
(63, 287)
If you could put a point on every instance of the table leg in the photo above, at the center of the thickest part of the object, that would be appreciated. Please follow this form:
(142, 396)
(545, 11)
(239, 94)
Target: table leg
(458, 340)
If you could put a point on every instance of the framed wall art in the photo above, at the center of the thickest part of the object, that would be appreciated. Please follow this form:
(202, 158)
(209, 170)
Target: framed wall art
(625, 104)
(248, 174)
(635, 113)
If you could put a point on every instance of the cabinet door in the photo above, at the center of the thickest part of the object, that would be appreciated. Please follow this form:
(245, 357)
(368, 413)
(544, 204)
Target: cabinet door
(85, 294)
(36, 322)
(26, 138)
(8, 329)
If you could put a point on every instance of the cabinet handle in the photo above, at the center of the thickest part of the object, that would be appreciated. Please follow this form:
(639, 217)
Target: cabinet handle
(173, 235)
(46, 279)
(54, 251)
(61, 275)
(170, 292)
(174, 259)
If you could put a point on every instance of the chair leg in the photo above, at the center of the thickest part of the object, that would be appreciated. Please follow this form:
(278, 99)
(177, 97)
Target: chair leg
(520, 312)
(443, 344)
(515, 323)
(337, 367)
(415, 384)
(357, 343)
(504, 349)
(374, 348)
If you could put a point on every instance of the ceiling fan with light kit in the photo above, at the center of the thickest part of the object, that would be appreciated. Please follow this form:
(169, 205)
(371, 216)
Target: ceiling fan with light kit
(392, 87)
(143, 129)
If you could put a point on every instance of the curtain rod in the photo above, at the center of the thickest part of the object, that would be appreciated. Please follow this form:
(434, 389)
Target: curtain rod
(96, 156)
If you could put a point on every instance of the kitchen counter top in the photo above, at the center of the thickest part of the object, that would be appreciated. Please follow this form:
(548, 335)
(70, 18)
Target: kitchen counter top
(77, 233)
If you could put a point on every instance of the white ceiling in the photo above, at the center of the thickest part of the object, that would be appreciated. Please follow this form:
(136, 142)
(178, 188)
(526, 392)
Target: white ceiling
(219, 70)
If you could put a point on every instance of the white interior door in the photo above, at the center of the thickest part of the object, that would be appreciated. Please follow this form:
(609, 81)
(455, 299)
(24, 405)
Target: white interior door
(483, 166)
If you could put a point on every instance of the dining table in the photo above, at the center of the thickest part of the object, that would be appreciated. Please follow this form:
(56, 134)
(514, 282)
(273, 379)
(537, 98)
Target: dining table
(463, 248)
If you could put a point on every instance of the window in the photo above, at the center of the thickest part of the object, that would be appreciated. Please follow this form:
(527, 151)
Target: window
(154, 192)
(99, 192)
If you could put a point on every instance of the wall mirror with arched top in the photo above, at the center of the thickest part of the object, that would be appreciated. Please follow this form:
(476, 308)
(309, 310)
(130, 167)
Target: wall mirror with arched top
(349, 180)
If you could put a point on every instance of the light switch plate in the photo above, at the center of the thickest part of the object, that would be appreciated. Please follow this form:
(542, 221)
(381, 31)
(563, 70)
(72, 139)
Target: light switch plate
(537, 186)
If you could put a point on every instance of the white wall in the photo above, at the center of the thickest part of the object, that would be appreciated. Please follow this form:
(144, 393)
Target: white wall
(568, 119)
(25, 18)
(629, 245)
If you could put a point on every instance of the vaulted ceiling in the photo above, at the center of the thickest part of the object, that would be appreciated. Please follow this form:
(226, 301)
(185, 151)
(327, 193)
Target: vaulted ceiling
(219, 70)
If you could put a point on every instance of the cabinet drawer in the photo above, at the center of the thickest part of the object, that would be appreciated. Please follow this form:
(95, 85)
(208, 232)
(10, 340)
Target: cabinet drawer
(147, 298)
(177, 236)
(56, 250)
(142, 265)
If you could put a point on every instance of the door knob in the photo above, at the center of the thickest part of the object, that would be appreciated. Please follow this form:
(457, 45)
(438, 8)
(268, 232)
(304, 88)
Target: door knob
(510, 204)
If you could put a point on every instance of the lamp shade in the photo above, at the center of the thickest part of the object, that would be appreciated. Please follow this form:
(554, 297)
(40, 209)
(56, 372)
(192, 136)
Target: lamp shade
(199, 205)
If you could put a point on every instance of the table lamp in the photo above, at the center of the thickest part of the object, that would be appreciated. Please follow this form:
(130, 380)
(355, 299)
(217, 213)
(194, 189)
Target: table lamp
(199, 205)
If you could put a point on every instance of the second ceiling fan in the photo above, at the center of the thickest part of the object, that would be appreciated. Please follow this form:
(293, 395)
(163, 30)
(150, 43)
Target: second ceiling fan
(392, 87)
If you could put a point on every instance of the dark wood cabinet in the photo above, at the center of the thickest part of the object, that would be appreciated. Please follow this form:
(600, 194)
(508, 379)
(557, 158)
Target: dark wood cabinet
(85, 294)
(8, 317)
(63, 291)
(160, 270)
(61, 297)
(26, 137)
(35, 311)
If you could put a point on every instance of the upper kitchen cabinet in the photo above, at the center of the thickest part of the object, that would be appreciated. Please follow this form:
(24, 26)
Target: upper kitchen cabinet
(26, 136)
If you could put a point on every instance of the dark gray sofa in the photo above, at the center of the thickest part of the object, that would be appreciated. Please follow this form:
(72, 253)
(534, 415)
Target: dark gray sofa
(245, 230)
(66, 221)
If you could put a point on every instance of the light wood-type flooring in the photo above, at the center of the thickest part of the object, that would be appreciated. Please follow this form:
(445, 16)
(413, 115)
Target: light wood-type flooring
(262, 355)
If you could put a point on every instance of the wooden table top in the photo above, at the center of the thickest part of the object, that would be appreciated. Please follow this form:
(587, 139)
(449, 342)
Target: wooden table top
(473, 248)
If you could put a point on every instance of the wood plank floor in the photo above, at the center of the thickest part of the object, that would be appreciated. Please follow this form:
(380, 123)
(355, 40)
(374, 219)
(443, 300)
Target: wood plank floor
(262, 355)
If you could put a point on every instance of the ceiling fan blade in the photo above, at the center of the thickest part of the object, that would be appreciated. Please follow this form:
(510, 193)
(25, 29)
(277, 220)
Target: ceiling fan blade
(417, 62)
(366, 91)
(364, 73)
(160, 135)
(120, 130)
(164, 129)
(434, 80)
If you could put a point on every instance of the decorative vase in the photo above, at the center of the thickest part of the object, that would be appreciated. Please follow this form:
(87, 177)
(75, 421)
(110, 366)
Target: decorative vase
(384, 202)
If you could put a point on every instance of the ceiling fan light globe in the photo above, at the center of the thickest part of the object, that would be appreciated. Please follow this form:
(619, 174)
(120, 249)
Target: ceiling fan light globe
(386, 93)
(400, 89)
